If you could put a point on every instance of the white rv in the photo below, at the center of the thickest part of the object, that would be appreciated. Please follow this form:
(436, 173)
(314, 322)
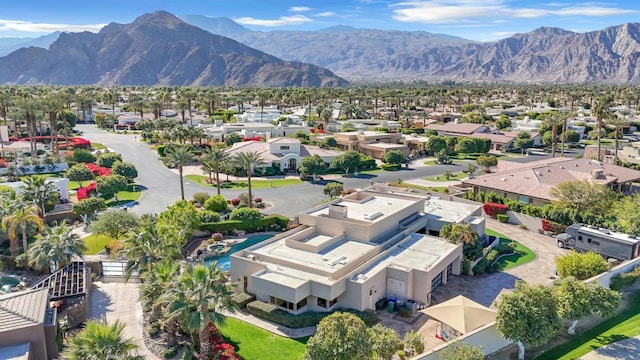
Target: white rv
(608, 243)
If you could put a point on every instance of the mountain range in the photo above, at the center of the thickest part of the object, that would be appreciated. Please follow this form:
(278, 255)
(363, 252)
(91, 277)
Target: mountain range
(9, 45)
(156, 48)
(159, 48)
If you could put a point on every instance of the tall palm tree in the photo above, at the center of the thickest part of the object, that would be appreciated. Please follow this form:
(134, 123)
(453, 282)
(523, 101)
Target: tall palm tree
(180, 155)
(199, 297)
(248, 161)
(144, 247)
(564, 117)
(600, 110)
(554, 120)
(23, 215)
(214, 159)
(40, 192)
(618, 123)
(58, 245)
(101, 341)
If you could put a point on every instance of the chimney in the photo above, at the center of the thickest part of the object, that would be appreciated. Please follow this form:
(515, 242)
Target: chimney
(597, 174)
(337, 211)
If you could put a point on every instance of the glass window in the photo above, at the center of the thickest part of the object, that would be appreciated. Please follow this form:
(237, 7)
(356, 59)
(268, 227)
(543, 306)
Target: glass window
(436, 281)
(333, 302)
(580, 238)
(284, 147)
(596, 243)
(449, 270)
(322, 303)
(302, 303)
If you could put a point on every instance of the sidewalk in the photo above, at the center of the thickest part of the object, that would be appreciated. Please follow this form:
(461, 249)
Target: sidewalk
(619, 350)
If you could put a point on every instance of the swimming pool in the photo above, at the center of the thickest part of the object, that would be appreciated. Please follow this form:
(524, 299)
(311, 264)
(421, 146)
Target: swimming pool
(8, 282)
(224, 260)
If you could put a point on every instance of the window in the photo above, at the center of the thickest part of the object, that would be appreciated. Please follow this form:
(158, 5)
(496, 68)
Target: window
(323, 303)
(449, 270)
(580, 238)
(286, 304)
(436, 281)
(284, 147)
(596, 243)
(589, 240)
(525, 199)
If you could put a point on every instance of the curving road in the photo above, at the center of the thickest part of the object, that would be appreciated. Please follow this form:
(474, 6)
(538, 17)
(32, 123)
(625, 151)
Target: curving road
(163, 189)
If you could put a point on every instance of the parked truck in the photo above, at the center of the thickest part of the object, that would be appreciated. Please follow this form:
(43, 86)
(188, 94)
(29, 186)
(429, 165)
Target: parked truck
(608, 243)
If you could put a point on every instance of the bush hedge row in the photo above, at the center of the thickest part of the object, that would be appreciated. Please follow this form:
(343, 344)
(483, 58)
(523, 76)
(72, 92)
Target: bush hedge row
(390, 167)
(242, 299)
(270, 222)
(310, 318)
(627, 279)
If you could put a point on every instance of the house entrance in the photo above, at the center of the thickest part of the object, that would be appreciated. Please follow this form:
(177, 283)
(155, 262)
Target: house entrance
(293, 166)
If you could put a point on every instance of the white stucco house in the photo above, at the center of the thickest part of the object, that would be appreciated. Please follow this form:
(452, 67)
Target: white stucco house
(284, 153)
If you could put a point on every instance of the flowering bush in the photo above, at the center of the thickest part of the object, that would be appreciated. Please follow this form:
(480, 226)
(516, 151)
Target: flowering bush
(3, 163)
(552, 227)
(235, 201)
(258, 200)
(98, 170)
(221, 349)
(493, 209)
(86, 192)
(255, 138)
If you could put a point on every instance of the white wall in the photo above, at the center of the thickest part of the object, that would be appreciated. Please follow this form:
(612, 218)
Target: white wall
(488, 337)
(604, 279)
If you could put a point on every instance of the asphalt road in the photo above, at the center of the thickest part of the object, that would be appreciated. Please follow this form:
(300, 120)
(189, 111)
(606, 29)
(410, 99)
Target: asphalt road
(163, 189)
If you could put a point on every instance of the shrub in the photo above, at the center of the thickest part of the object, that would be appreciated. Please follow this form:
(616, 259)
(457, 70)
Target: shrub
(200, 197)
(242, 299)
(493, 209)
(207, 216)
(154, 329)
(216, 203)
(245, 214)
(523, 227)
(626, 279)
(553, 227)
(272, 313)
(235, 201)
(390, 167)
(83, 156)
(257, 200)
(270, 222)
(161, 150)
(581, 265)
(108, 159)
(170, 352)
(503, 218)
(217, 237)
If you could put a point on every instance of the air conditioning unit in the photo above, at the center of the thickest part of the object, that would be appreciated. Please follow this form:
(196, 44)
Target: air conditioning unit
(251, 257)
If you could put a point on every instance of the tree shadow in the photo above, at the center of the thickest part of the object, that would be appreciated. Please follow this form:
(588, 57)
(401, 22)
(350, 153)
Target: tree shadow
(99, 301)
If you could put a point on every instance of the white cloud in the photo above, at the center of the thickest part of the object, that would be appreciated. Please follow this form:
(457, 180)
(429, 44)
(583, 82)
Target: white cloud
(442, 12)
(281, 21)
(27, 26)
(299, 8)
(326, 14)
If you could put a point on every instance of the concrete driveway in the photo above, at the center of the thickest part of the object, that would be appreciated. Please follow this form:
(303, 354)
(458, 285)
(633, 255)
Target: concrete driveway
(119, 301)
(485, 288)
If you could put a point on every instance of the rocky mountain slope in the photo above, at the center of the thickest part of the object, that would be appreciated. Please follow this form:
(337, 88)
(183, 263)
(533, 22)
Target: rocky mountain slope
(543, 55)
(156, 48)
(349, 52)
(9, 45)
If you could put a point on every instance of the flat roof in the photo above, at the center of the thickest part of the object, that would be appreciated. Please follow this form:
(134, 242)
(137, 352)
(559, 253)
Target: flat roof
(283, 279)
(449, 211)
(419, 252)
(329, 260)
(371, 209)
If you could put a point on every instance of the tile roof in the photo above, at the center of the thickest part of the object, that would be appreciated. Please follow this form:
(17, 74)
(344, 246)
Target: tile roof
(536, 179)
(458, 128)
(23, 309)
(495, 138)
(283, 140)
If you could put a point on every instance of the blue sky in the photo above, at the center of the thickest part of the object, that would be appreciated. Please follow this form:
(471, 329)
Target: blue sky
(482, 20)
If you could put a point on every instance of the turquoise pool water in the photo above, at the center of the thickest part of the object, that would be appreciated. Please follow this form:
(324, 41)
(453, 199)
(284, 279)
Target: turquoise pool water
(8, 283)
(224, 260)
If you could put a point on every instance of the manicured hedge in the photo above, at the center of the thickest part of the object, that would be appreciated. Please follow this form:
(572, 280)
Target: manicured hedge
(266, 223)
(242, 299)
(390, 167)
(272, 313)
(503, 218)
(493, 209)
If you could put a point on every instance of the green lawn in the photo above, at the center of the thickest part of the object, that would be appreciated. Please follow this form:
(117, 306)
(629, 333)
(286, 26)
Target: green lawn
(453, 177)
(433, 162)
(594, 142)
(98, 146)
(624, 325)
(95, 243)
(126, 196)
(254, 343)
(522, 256)
(241, 184)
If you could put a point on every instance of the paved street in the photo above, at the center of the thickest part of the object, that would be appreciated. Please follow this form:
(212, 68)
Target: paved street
(163, 189)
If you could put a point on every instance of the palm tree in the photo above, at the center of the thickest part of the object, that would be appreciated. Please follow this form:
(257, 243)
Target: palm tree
(199, 297)
(22, 216)
(101, 341)
(564, 117)
(145, 246)
(157, 280)
(248, 161)
(554, 120)
(58, 245)
(40, 192)
(600, 110)
(180, 155)
(618, 123)
(213, 159)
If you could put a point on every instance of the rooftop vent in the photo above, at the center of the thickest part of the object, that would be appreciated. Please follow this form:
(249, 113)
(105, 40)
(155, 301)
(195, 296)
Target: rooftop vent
(372, 216)
(503, 179)
(337, 211)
